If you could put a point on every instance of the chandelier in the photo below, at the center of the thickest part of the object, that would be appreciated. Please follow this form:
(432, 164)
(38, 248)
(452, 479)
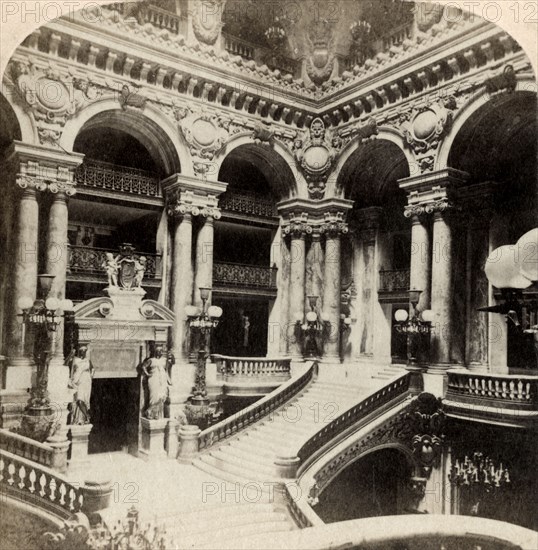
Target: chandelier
(275, 34)
(360, 30)
(479, 470)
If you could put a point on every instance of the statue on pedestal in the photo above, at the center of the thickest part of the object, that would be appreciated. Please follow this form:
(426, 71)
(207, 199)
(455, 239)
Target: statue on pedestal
(82, 372)
(112, 268)
(157, 380)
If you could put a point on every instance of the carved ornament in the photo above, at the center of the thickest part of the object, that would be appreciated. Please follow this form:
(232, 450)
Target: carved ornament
(207, 20)
(320, 63)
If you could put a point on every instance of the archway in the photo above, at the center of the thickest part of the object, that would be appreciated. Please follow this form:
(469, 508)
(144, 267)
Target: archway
(374, 485)
(379, 242)
(245, 244)
(497, 147)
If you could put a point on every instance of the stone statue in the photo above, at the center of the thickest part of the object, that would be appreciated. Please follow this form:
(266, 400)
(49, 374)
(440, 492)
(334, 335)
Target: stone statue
(155, 371)
(111, 267)
(140, 269)
(82, 372)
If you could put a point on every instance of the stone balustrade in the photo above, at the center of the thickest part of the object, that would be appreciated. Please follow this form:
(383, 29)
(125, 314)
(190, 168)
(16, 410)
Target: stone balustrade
(161, 19)
(38, 486)
(252, 366)
(236, 46)
(24, 447)
(257, 410)
(106, 176)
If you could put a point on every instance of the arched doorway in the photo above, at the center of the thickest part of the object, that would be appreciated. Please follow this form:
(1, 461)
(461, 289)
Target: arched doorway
(497, 147)
(374, 485)
(246, 250)
(378, 249)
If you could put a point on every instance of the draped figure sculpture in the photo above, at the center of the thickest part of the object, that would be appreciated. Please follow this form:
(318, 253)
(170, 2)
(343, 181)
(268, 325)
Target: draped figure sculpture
(81, 381)
(157, 379)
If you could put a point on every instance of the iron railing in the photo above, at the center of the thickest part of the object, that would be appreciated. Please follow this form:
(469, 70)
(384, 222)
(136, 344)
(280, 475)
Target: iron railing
(250, 204)
(244, 275)
(394, 280)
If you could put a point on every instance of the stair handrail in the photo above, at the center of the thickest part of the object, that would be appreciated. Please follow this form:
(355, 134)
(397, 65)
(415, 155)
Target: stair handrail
(371, 403)
(24, 447)
(36, 485)
(251, 366)
(257, 410)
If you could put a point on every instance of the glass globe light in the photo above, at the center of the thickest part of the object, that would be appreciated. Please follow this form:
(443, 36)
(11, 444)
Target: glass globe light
(503, 269)
(527, 250)
(52, 303)
(325, 317)
(427, 316)
(311, 316)
(347, 321)
(214, 311)
(25, 302)
(191, 311)
(401, 315)
(66, 305)
(298, 316)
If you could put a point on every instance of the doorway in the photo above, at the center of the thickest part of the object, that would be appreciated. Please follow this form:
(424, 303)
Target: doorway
(114, 410)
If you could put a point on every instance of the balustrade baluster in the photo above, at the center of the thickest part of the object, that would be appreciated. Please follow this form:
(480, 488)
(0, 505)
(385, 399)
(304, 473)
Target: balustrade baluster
(511, 389)
(32, 477)
(2, 465)
(62, 491)
(11, 471)
(42, 484)
(520, 389)
(22, 475)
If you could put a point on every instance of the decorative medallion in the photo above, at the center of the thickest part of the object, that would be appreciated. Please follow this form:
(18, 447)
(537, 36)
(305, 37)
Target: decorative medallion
(131, 98)
(316, 154)
(320, 63)
(205, 137)
(427, 126)
(207, 20)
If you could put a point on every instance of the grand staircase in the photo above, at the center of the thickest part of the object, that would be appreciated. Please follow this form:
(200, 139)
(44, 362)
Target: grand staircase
(250, 456)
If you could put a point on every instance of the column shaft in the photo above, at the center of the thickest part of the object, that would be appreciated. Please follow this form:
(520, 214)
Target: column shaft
(332, 295)
(181, 284)
(284, 295)
(314, 263)
(297, 288)
(24, 284)
(420, 272)
(442, 290)
(204, 258)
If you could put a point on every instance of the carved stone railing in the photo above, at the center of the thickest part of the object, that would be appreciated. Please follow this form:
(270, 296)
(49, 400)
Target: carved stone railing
(249, 204)
(89, 260)
(236, 46)
(412, 532)
(395, 280)
(396, 36)
(38, 486)
(30, 449)
(252, 366)
(503, 391)
(121, 179)
(160, 18)
(243, 275)
(353, 416)
(256, 411)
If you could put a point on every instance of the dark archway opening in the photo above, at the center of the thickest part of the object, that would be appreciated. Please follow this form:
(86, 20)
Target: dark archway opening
(375, 485)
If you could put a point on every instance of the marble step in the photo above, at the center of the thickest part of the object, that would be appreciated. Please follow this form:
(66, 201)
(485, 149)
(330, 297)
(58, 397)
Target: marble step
(224, 465)
(207, 464)
(250, 453)
(244, 460)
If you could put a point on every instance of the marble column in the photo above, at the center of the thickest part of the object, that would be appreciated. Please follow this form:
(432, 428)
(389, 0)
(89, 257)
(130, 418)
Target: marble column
(420, 268)
(297, 288)
(204, 258)
(24, 284)
(181, 290)
(442, 290)
(314, 263)
(284, 298)
(332, 293)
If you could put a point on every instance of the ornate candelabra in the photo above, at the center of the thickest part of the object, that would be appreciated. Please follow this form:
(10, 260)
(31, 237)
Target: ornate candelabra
(360, 31)
(275, 34)
(202, 322)
(311, 329)
(417, 327)
(42, 316)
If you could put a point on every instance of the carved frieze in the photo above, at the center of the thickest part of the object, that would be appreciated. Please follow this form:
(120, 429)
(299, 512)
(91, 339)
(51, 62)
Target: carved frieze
(315, 153)
(55, 179)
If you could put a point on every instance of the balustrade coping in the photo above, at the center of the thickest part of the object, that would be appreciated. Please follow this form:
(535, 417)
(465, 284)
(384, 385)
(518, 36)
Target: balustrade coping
(258, 359)
(491, 376)
(38, 466)
(26, 440)
(115, 250)
(247, 265)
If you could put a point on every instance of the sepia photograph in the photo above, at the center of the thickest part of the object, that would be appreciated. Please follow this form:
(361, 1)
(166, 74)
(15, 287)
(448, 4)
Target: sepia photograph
(268, 275)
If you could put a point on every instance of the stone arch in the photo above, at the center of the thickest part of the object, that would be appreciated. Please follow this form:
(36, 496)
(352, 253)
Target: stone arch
(16, 120)
(481, 100)
(150, 127)
(275, 162)
(336, 186)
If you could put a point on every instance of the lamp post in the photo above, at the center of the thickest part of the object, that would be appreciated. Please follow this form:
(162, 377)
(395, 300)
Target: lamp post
(42, 316)
(417, 327)
(202, 322)
(310, 329)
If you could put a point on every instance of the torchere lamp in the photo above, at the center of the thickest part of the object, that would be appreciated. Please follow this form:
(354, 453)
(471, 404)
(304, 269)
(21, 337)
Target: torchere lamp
(42, 316)
(311, 329)
(202, 322)
(417, 327)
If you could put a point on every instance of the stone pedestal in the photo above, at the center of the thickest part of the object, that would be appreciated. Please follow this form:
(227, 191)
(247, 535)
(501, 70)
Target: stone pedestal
(97, 495)
(171, 438)
(153, 438)
(188, 443)
(79, 442)
(60, 444)
(286, 466)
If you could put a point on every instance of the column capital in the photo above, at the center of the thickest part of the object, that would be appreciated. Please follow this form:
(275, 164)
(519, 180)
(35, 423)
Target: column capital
(44, 169)
(333, 225)
(181, 203)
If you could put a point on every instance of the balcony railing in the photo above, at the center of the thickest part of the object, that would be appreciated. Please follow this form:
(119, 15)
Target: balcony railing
(249, 204)
(502, 391)
(251, 366)
(121, 179)
(236, 46)
(243, 275)
(89, 261)
(161, 18)
(395, 280)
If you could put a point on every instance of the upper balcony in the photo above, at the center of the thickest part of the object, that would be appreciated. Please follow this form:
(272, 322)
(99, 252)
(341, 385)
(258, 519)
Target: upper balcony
(394, 285)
